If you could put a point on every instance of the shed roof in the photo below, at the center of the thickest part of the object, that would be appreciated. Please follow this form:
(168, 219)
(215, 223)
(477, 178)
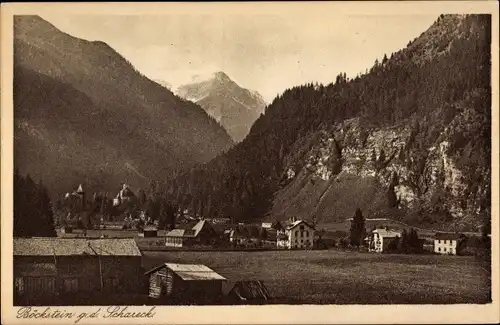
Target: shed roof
(75, 246)
(298, 222)
(387, 233)
(188, 231)
(36, 269)
(446, 236)
(191, 272)
(249, 290)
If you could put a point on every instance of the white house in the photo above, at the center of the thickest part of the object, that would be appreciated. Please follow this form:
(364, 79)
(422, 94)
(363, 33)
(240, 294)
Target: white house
(382, 238)
(267, 225)
(298, 234)
(446, 243)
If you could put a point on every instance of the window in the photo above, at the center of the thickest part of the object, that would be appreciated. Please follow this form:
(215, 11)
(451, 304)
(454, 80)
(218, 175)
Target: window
(296, 233)
(444, 249)
(19, 284)
(439, 249)
(302, 234)
(112, 284)
(70, 285)
(158, 280)
(307, 233)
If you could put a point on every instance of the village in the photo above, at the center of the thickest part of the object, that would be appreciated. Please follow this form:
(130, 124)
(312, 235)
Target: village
(114, 256)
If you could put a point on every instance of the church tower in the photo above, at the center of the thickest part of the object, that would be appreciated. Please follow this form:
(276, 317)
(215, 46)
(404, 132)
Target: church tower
(81, 196)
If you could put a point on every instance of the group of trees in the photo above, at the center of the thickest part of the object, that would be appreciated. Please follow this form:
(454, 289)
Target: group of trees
(33, 214)
(408, 243)
(406, 88)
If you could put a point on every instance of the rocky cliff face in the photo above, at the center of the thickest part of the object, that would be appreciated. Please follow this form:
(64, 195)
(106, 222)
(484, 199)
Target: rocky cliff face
(388, 175)
(409, 140)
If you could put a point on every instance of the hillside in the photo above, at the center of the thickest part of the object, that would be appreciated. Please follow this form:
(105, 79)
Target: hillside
(408, 140)
(234, 107)
(83, 114)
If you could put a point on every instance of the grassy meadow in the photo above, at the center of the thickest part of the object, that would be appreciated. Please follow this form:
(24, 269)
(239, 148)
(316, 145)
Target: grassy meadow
(337, 277)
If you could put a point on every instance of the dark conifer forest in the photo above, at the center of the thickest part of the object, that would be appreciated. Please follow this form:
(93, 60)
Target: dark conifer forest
(33, 211)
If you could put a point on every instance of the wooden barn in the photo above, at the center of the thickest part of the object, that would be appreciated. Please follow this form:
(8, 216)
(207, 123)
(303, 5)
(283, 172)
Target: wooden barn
(60, 270)
(185, 284)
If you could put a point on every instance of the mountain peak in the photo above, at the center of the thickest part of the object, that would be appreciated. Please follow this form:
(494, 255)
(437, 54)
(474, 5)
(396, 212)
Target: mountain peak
(221, 76)
(236, 108)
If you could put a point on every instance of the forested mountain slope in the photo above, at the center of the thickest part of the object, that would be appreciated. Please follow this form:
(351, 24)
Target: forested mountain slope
(409, 139)
(83, 114)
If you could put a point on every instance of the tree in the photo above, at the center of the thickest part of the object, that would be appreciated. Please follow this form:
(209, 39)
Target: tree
(170, 210)
(253, 231)
(141, 195)
(33, 213)
(414, 242)
(404, 245)
(278, 226)
(358, 229)
(384, 60)
(263, 233)
(461, 243)
(381, 157)
(392, 199)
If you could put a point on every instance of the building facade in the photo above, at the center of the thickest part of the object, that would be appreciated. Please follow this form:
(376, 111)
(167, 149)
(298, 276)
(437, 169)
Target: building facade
(381, 240)
(60, 270)
(296, 235)
(446, 244)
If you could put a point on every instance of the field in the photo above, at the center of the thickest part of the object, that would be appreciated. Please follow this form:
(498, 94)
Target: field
(336, 277)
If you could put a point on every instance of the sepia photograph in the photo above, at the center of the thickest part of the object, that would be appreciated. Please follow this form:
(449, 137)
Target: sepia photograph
(228, 158)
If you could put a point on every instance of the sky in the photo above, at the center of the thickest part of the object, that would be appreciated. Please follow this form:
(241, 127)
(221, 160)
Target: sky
(267, 53)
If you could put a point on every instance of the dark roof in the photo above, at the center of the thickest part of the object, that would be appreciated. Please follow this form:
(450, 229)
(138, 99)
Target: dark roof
(447, 236)
(35, 269)
(48, 246)
(249, 290)
(188, 231)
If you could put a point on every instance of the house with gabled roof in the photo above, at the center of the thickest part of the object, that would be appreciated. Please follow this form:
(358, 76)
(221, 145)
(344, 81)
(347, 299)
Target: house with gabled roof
(295, 234)
(202, 233)
(380, 239)
(48, 270)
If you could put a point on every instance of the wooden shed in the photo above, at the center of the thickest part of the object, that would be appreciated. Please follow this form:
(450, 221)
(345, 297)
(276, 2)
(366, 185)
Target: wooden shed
(150, 231)
(185, 284)
(63, 270)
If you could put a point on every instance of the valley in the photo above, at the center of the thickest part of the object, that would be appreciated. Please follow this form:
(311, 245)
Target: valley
(133, 187)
